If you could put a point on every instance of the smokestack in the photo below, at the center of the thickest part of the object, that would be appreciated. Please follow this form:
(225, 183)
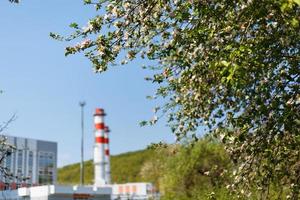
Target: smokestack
(99, 155)
(107, 155)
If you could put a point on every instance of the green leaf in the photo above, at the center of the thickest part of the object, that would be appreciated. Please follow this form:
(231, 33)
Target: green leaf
(87, 1)
(143, 123)
(74, 25)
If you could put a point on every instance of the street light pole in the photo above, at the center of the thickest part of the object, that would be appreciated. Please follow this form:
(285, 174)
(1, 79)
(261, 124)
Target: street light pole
(82, 104)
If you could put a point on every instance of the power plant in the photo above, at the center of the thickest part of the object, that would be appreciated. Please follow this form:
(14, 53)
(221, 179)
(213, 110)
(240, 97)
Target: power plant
(99, 149)
(102, 188)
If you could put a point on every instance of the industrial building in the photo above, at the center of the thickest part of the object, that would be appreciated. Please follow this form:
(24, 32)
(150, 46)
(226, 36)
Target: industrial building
(38, 160)
(34, 159)
(57, 192)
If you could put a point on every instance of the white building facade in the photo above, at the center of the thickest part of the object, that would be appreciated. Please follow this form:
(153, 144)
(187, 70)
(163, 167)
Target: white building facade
(57, 192)
(34, 159)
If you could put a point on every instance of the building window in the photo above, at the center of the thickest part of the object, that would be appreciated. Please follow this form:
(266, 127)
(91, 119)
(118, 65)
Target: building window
(46, 167)
(8, 162)
(20, 161)
(30, 165)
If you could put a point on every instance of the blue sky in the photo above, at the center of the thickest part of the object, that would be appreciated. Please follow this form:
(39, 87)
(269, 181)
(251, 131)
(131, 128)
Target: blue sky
(43, 87)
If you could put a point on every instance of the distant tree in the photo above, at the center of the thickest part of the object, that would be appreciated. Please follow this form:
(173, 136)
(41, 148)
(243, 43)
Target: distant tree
(6, 150)
(221, 64)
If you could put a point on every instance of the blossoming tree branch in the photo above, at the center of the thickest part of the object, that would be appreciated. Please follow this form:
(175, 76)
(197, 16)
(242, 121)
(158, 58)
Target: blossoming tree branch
(231, 67)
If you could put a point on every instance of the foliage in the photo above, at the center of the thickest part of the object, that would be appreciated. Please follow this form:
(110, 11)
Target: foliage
(124, 167)
(221, 64)
(195, 172)
(192, 171)
(181, 172)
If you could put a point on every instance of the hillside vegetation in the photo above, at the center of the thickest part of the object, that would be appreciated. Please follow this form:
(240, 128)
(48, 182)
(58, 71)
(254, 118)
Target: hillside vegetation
(125, 167)
(187, 171)
(178, 171)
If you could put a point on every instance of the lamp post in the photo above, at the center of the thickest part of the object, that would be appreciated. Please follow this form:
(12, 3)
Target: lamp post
(82, 104)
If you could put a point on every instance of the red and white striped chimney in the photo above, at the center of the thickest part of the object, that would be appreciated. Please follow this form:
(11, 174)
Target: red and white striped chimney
(99, 154)
(107, 155)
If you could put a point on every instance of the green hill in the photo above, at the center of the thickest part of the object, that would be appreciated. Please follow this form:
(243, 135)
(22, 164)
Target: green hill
(125, 167)
(178, 171)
